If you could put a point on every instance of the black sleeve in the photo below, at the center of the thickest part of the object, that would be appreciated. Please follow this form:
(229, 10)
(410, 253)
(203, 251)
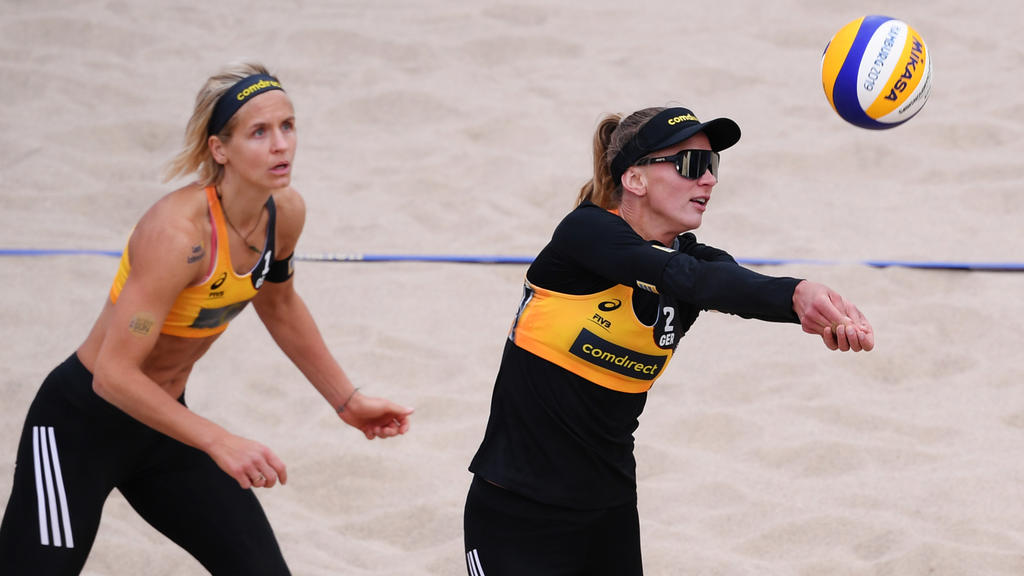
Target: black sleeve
(729, 287)
(603, 244)
(687, 244)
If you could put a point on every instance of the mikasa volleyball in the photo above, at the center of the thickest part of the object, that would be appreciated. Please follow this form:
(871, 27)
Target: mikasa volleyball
(876, 72)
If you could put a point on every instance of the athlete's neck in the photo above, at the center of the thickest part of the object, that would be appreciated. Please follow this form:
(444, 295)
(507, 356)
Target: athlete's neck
(242, 205)
(644, 226)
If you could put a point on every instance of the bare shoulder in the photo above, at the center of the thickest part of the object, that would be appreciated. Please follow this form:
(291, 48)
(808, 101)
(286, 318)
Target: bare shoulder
(291, 217)
(290, 203)
(175, 230)
(183, 211)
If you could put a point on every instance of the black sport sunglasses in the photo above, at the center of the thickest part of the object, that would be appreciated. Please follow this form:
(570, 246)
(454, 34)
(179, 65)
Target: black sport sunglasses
(691, 164)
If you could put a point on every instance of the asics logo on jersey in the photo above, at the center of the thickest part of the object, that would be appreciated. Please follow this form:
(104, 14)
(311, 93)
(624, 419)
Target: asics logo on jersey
(609, 305)
(219, 281)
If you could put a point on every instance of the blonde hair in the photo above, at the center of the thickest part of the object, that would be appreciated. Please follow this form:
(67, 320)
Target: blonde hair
(195, 157)
(613, 132)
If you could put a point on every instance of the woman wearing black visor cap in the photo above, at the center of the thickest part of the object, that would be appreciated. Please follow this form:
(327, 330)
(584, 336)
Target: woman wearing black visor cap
(604, 306)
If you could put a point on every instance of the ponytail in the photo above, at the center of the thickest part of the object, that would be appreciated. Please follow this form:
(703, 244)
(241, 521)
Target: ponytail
(611, 135)
(600, 189)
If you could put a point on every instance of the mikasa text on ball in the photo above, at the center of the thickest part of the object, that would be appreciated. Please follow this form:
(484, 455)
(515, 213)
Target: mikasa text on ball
(876, 72)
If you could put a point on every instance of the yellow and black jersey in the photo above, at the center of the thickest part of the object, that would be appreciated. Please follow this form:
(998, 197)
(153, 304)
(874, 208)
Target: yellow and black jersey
(596, 336)
(601, 316)
(206, 308)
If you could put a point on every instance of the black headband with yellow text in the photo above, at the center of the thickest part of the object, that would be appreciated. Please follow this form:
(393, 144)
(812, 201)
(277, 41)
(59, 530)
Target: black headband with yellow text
(236, 96)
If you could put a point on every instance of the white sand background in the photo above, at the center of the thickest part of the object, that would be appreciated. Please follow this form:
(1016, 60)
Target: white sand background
(458, 127)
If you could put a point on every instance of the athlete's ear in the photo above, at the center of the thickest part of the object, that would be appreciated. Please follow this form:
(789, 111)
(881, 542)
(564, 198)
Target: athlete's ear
(634, 181)
(217, 149)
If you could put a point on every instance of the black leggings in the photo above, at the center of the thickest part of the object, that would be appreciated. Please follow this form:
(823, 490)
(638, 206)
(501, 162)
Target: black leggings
(75, 448)
(509, 535)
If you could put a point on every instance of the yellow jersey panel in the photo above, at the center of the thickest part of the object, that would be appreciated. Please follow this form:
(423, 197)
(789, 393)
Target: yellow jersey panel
(595, 336)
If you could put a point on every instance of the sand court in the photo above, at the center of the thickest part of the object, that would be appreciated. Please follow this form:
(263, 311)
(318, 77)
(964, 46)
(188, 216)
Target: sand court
(464, 128)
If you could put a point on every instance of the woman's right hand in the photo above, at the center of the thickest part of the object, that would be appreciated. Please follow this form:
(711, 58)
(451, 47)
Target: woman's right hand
(250, 463)
(376, 417)
(824, 312)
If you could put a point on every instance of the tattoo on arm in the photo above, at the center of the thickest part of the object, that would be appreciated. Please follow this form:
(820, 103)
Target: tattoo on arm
(197, 253)
(141, 324)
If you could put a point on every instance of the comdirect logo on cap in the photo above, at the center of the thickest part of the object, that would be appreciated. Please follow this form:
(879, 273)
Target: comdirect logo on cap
(682, 118)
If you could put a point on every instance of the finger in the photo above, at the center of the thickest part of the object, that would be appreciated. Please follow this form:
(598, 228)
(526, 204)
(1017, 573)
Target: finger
(400, 423)
(404, 422)
(853, 312)
(867, 339)
(858, 319)
(842, 339)
(267, 477)
(853, 337)
(278, 469)
(850, 338)
(844, 308)
(816, 320)
(395, 428)
(831, 306)
(262, 475)
(813, 321)
(829, 337)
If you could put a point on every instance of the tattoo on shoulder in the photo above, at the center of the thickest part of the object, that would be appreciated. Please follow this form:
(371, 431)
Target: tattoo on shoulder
(141, 324)
(197, 253)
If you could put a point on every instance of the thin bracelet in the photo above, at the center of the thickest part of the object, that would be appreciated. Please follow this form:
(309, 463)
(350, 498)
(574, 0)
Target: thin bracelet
(349, 399)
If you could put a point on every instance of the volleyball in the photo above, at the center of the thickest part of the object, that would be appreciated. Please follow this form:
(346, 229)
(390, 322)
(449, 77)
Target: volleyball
(876, 72)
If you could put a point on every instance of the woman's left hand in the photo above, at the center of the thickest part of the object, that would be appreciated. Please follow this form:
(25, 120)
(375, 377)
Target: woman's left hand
(376, 417)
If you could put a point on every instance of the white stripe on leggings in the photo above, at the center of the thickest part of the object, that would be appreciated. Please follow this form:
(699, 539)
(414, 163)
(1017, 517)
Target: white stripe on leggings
(44, 537)
(65, 515)
(473, 561)
(50, 489)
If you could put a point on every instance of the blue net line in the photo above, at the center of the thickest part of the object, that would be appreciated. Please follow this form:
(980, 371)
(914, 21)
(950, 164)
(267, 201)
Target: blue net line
(499, 259)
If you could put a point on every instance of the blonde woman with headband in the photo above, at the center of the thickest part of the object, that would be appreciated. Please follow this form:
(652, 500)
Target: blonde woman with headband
(113, 414)
(604, 306)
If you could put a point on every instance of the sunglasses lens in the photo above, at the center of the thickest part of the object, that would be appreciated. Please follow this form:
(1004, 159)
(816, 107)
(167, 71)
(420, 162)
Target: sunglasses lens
(693, 163)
